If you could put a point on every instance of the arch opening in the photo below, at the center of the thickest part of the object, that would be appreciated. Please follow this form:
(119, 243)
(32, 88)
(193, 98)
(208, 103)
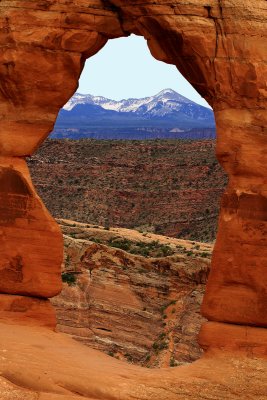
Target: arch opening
(161, 185)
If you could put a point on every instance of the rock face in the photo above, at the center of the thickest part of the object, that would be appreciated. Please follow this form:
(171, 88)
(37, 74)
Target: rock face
(220, 47)
(27, 310)
(145, 310)
(169, 187)
(30, 248)
(27, 231)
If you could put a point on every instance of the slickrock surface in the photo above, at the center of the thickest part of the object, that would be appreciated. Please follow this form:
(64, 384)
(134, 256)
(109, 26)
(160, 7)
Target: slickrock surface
(142, 309)
(171, 187)
(39, 364)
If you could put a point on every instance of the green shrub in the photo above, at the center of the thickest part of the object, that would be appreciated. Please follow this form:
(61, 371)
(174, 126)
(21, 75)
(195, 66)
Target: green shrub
(155, 345)
(69, 277)
(172, 362)
(152, 249)
(163, 345)
(129, 357)
(122, 244)
(95, 240)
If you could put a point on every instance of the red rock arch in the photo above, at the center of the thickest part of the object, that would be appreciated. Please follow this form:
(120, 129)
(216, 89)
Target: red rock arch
(218, 45)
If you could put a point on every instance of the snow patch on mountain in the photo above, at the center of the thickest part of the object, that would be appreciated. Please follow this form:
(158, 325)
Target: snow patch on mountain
(165, 103)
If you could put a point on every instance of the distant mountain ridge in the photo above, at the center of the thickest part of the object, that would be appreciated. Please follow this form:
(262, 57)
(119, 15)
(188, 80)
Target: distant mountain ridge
(162, 104)
(165, 115)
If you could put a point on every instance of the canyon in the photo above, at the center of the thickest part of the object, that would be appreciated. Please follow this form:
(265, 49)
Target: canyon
(220, 47)
(134, 296)
(169, 187)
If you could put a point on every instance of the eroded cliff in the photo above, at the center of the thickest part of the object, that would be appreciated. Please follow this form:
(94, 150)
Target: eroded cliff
(135, 296)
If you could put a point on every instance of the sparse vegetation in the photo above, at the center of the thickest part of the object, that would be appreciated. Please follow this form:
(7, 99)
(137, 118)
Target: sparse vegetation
(129, 357)
(204, 255)
(172, 362)
(67, 261)
(69, 277)
(157, 174)
(161, 343)
(95, 240)
(162, 335)
(145, 249)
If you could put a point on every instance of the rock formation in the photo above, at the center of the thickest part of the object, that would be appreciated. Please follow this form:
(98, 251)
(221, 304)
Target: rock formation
(30, 248)
(220, 47)
(134, 304)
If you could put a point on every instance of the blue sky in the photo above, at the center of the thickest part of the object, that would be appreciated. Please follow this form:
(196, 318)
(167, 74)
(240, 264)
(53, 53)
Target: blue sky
(124, 68)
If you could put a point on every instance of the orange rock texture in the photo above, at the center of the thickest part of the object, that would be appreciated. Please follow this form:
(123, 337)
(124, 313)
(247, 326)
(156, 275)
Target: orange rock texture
(38, 364)
(141, 309)
(27, 267)
(220, 47)
(27, 310)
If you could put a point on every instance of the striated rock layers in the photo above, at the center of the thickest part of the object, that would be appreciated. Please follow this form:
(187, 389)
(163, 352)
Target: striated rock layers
(220, 47)
(145, 310)
(169, 187)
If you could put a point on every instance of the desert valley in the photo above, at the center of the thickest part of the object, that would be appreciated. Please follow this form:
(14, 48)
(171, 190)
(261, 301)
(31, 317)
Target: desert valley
(170, 187)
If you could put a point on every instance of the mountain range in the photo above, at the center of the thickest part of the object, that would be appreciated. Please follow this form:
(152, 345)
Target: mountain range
(165, 115)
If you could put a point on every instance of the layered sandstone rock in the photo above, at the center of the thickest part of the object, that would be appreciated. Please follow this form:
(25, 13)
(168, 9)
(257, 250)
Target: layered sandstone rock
(27, 232)
(145, 310)
(220, 46)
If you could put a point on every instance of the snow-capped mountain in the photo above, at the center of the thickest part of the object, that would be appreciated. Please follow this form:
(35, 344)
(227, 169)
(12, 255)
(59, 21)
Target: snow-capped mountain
(165, 115)
(164, 103)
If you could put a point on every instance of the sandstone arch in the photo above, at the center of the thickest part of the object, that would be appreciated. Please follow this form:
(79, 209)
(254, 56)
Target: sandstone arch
(220, 47)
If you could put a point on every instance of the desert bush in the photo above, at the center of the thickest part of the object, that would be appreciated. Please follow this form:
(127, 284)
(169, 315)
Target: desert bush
(69, 277)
